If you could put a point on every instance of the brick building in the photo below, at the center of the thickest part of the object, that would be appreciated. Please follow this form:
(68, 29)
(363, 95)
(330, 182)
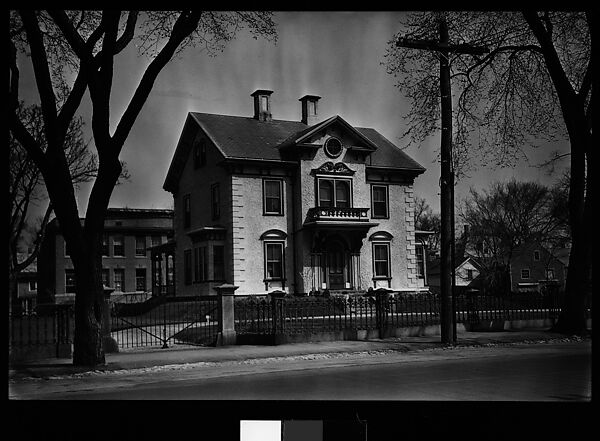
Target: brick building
(299, 206)
(126, 260)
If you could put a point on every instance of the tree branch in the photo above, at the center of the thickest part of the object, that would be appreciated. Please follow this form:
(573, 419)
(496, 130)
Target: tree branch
(128, 33)
(185, 24)
(38, 241)
(75, 40)
(42, 75)
(13, 93)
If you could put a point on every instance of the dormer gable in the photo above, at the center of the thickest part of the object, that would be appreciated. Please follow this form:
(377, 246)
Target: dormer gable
(334, 135)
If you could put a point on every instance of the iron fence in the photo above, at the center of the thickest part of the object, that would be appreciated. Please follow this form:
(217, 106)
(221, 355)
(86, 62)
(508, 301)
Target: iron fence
(255, 314)
(160, 321)
(52, 325)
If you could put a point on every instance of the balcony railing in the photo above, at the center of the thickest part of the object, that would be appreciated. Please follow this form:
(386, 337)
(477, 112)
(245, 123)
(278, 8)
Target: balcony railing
(337, 214)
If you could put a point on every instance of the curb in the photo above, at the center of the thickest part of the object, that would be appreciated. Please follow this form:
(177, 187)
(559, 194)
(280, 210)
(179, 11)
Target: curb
(34, 373)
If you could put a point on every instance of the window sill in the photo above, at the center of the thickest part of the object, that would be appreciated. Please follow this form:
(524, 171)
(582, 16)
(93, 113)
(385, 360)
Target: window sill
(273, 214)
(382, 278)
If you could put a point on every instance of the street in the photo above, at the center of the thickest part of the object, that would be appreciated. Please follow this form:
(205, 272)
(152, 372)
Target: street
(529, 372)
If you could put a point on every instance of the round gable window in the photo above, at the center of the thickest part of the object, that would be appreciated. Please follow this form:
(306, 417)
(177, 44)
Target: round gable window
(333, 147)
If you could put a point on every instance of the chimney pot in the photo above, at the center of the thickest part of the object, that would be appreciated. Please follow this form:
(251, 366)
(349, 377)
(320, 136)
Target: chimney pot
(309, 109)
(262, 104)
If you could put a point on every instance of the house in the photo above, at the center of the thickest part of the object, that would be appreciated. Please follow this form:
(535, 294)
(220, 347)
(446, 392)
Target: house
(466, 274)
(26, 288)
(299, 206)
(532, 267)
(128, 237)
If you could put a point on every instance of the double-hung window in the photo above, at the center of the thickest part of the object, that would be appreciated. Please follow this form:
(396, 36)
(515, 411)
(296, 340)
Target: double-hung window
(105, 277)
(140, 279)
(334, 193)
(200, 264)
(274, 266)
(525, 274)
(273, 196)
(119, 279)
(118, 246)
(379, 201)
(140, 245)
(105, 247)
(381, 260)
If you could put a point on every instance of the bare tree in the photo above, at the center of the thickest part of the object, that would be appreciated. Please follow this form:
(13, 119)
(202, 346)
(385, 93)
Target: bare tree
(26, 188)
(84, 45)
(534, 85)
(506, 216)
(427, 220)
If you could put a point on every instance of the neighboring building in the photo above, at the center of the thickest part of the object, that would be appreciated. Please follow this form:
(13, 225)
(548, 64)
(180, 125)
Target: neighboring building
(532, 267)
(299, 206)
(466, 274)
(26, 288)
(128, 237)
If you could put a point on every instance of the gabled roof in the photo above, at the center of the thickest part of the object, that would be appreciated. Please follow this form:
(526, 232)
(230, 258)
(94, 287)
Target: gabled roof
(306, 134)
(238, 137)
(434, 267)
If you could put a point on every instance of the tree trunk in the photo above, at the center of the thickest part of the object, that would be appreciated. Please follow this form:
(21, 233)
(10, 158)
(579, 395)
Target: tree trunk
(572, 317)
(88, 349)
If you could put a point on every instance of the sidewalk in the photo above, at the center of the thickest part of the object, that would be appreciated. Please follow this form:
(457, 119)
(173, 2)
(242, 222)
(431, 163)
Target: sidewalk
(181, 355)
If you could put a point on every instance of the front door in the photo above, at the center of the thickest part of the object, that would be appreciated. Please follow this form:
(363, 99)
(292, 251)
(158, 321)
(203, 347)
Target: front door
(336, 266)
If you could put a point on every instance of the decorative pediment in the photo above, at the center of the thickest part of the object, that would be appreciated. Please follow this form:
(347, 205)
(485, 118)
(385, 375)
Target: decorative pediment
(273, 235)
(330, 168)
(381, 235)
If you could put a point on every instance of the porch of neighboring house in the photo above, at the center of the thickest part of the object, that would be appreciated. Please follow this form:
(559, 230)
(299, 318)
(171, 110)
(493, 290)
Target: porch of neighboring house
(163, 269)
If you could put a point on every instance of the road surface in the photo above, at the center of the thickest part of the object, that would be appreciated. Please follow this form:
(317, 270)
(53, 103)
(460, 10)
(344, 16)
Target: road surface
(531, 372)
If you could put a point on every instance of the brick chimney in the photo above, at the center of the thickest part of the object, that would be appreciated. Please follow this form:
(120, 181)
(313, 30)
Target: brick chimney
(262, 104)
(309, 109)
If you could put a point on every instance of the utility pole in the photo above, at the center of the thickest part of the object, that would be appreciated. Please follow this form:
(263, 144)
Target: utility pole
(444, 49)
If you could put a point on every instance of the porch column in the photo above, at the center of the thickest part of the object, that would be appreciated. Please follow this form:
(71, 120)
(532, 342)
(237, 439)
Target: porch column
(158, 274)
(355, 270)
(317, 270)
(166, 273)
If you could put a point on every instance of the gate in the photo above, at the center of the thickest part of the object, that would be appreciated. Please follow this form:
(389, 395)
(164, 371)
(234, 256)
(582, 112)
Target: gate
(160, 321)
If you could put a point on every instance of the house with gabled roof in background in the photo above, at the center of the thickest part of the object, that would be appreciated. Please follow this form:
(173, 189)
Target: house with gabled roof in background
(533, 267)
(299, 206)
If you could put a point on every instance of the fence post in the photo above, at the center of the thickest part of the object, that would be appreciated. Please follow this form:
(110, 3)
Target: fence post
(381, 298)
(226, 335)
(110, 344)
(278, 315)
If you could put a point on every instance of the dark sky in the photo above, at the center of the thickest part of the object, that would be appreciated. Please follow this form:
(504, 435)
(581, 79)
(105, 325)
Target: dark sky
(336, 55)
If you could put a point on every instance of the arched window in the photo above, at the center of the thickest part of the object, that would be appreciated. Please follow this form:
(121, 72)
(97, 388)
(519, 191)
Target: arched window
(274, 254)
